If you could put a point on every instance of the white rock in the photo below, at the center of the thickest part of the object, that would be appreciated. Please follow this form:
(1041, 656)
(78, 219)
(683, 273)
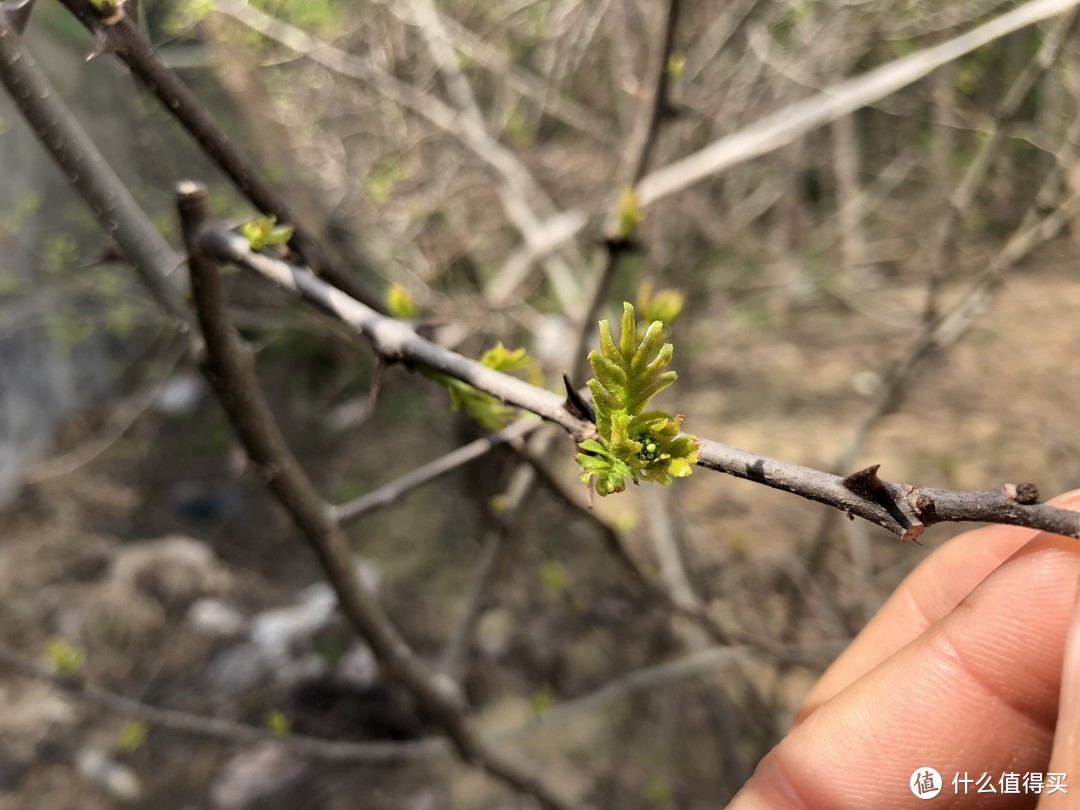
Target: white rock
(253, 774)
(275, 630)
(866, 383)
(180, 394)
(214, 617)
(358, 666)
(119, 780)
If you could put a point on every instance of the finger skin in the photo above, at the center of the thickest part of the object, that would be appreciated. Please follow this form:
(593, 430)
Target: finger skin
(976, 692)
(1065, 756)
(933, 589)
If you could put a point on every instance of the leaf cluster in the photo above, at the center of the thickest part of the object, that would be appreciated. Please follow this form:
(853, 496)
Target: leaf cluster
(262, 232)
(643, 445)
(488, 411)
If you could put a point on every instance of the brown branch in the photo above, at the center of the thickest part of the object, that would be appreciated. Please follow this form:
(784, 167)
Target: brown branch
(393, 339)
(230, 370)
(639, 151)
(91, 175)
(656, 105)
(396, 341)
(519, 188)
(219, 728)
(120, 35)
(394, 491)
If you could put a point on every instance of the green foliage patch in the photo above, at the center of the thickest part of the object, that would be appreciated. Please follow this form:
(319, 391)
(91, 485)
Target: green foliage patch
(489, 412)
(634, 443)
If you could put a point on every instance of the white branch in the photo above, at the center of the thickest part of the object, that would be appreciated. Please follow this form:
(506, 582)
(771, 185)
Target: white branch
(794, 121)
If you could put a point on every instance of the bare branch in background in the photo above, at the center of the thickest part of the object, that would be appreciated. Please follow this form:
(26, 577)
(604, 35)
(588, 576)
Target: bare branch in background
(520, 187)
(692, 665)
(94, 179)
(394, 491)
(219, 728)
(796, 120)
(551, 101)
(466, 126)
(942, 248)
(127, 44)
(639, 151)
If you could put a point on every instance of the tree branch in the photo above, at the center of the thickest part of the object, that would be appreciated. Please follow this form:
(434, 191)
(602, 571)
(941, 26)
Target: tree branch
(978, 169)
(230, 370)
(91, 175)
(120, 35)
(465, 125)
(888, 507)
(795, 120)
(220, 728)
(392, 492)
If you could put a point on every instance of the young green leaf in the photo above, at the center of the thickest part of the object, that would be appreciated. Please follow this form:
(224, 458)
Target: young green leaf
(634, 443)
(67, 658)
(400, 302)
(659, 305)
(264, 231)
(489, 412)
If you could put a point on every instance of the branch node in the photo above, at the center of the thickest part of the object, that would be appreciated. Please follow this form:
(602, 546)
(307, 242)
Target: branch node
(576, 405)
(1025, 494)
(922, 504)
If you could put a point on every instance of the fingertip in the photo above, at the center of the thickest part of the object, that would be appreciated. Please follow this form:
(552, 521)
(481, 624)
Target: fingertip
(977, 692)
(935, 587)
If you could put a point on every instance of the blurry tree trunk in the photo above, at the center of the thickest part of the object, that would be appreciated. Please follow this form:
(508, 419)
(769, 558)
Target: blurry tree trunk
(1070, 66)
(845, 158)
(792, 231)
(944, 143)
(275, 146)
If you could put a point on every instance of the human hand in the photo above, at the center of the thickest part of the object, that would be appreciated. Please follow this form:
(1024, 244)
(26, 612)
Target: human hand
(972, 666)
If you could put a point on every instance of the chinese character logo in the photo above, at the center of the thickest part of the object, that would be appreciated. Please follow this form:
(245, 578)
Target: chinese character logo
(925, 783)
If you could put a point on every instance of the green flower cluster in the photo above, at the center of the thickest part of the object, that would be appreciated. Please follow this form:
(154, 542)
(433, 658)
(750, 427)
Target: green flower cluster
(634, 443)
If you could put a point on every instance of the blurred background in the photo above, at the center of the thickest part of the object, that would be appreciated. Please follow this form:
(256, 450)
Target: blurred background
(431, 145)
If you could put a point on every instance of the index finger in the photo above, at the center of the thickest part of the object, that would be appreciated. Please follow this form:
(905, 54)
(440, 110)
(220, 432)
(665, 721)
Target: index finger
(931, 591)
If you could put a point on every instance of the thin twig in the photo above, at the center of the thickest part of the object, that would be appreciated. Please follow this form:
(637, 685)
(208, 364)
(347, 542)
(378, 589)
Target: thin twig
(393, 339)
(519, 77)
(639, 152)
(91, 175)
(466, 126)
(394, 491)
(796, 120)
(978, 169)
(482, 574)
(122, 416)
(120, 35)
(520, 186)
(230, 371)
(219, 728)
(689, 666)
